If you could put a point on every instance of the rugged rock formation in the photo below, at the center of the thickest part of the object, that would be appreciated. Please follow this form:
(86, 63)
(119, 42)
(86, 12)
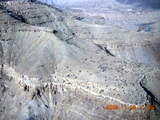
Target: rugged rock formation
(58, 66)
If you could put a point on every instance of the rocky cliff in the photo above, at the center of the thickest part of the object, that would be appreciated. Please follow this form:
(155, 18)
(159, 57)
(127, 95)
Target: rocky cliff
(69, 64)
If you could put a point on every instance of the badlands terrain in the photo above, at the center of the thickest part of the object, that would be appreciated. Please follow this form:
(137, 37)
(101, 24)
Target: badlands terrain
(70, 63)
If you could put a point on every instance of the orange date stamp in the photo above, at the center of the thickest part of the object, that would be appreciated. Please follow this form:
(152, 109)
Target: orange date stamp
(131, 107)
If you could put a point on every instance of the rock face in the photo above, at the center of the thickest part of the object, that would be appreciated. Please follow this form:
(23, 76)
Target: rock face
(71, 64)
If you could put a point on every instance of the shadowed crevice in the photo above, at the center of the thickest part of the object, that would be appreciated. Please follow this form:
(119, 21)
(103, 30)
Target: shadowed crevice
(105, 50)
(14, 15)
(150, 94)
